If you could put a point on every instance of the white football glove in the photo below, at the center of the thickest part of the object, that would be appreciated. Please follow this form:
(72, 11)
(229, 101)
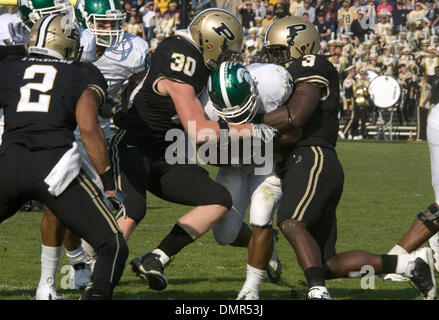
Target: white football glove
(265, 132)
(117, 203)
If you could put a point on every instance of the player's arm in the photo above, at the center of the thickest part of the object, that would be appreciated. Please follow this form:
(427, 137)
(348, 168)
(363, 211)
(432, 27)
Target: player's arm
(92, 136)
(298, 109)
(190, 111)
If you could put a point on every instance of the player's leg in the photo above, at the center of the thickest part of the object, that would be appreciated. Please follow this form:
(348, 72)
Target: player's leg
(131, 168)
(427, 223)
(81, 275)
(187, 185)
(314, 177)
(231, 228)
(52, 235)
(266, 192)
(81, 209)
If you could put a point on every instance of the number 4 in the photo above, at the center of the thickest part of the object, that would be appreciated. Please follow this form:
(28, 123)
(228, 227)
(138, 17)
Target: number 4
(308, 60)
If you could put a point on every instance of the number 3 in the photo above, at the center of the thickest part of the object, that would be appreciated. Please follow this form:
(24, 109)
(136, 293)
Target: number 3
(42, 105)
(308, 60)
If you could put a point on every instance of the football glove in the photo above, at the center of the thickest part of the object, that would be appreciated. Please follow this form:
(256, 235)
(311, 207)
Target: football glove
(265, 132)
(117, 203)
(108, 108)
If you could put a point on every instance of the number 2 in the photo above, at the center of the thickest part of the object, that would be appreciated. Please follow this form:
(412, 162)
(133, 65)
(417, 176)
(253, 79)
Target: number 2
(42, 105)
(309, 60)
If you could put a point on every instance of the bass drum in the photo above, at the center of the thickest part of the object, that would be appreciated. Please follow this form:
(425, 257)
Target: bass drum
(384, 91)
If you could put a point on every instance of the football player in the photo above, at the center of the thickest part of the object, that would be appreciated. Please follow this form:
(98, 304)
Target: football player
(167, 99)
(121, 57)
(312, 177)
(238, 94)
(39, 144)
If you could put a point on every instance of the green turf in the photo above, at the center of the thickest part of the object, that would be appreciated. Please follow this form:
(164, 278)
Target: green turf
(386, 185)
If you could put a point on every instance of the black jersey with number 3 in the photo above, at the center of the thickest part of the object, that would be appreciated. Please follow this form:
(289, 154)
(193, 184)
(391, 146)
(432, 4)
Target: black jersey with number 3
(39, 96)
(152, 114)
(321, 129)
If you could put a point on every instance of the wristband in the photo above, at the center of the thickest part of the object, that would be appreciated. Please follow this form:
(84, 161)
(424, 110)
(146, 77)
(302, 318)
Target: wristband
(108, 179)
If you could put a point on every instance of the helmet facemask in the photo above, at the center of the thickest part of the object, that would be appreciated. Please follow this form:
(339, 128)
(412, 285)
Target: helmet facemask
(108, 28)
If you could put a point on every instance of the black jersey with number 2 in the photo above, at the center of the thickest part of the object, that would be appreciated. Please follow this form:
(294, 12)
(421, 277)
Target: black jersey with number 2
(153, 114)
(321, 129)
(39, 96)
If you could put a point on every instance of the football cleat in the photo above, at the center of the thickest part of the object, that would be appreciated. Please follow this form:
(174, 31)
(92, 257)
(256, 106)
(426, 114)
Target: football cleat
(91, 294)
(150, 269)
(396, 277)
(434, 245)
(420, 270)
(248, 294)
(274, 268)
(319, 293)
(81, 275)
(47, 291)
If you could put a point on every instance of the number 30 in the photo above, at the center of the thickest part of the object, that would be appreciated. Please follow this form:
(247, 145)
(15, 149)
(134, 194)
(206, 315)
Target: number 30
(308, 60)
(183, 63)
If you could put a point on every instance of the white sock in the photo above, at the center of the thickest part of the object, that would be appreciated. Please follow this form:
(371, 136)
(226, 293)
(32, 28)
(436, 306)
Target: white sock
(254, 278)
(88, 249)
(50, 257)
(402, 264)
(397, 250)
(164, 259)
(76, 256)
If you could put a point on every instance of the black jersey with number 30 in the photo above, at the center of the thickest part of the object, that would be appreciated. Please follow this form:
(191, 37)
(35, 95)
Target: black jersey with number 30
(39, 96)
(176, 58)
(321, 129)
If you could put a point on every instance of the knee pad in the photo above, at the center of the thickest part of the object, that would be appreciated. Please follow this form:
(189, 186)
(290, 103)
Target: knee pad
(429, 221)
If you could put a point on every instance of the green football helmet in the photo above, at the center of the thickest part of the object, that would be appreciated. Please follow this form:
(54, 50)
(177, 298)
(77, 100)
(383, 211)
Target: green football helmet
(104, 18)
(233, 93)
(33, 10)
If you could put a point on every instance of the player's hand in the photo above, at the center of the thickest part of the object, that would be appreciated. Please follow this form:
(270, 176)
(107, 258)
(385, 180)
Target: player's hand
(265, 132)
(116, 200)
(109, 108)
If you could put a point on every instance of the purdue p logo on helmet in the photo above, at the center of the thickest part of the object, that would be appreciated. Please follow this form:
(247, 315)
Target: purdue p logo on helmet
(51, 37)
(217, 32)
(294, 36)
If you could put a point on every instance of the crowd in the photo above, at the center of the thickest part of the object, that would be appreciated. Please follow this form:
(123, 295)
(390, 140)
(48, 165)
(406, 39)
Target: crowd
(397, 38)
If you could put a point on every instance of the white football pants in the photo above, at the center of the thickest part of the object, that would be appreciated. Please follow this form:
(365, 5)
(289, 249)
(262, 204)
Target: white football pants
(433, 144)
(261, 192)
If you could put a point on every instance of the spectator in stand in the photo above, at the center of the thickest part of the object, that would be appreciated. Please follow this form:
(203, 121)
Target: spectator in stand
(147, 14)
(370, 7)
(139, 4)
(431, 13)
(319, 5)
(384, 6)
(247, 14)
(259, 9)
(281, 9)
(331, 15)
(168, 24)
(307, 9)
(400, 17)
(134, 26)
(434, 82)
(356, 5)
(174, 12)
(127, 8)
(357, 28)
(294, 6)
(416, 15)
(345, 15)
(323, 27)
(157, 22)
(269, 19)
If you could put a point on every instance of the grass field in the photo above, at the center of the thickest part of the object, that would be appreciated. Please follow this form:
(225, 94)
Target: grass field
(386, 185)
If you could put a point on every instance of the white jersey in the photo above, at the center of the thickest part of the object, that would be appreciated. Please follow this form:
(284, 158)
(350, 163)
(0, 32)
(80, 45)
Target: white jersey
(12, 30)
(116, 64)
(262, 192)
(273, 90)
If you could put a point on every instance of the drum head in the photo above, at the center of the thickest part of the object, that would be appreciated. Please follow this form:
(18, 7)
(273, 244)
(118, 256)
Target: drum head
(384, 91)
(370, 75)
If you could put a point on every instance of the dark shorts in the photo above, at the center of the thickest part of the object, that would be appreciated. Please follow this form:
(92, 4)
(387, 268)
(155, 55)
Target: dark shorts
(139, 169)
(312, 186)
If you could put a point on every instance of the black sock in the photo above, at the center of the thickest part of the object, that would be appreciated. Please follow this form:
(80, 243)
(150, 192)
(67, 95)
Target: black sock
(176, 240)
(315, 276)
(389, 263)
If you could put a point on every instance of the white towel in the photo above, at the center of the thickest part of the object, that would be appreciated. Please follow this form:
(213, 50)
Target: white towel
(64, 171)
